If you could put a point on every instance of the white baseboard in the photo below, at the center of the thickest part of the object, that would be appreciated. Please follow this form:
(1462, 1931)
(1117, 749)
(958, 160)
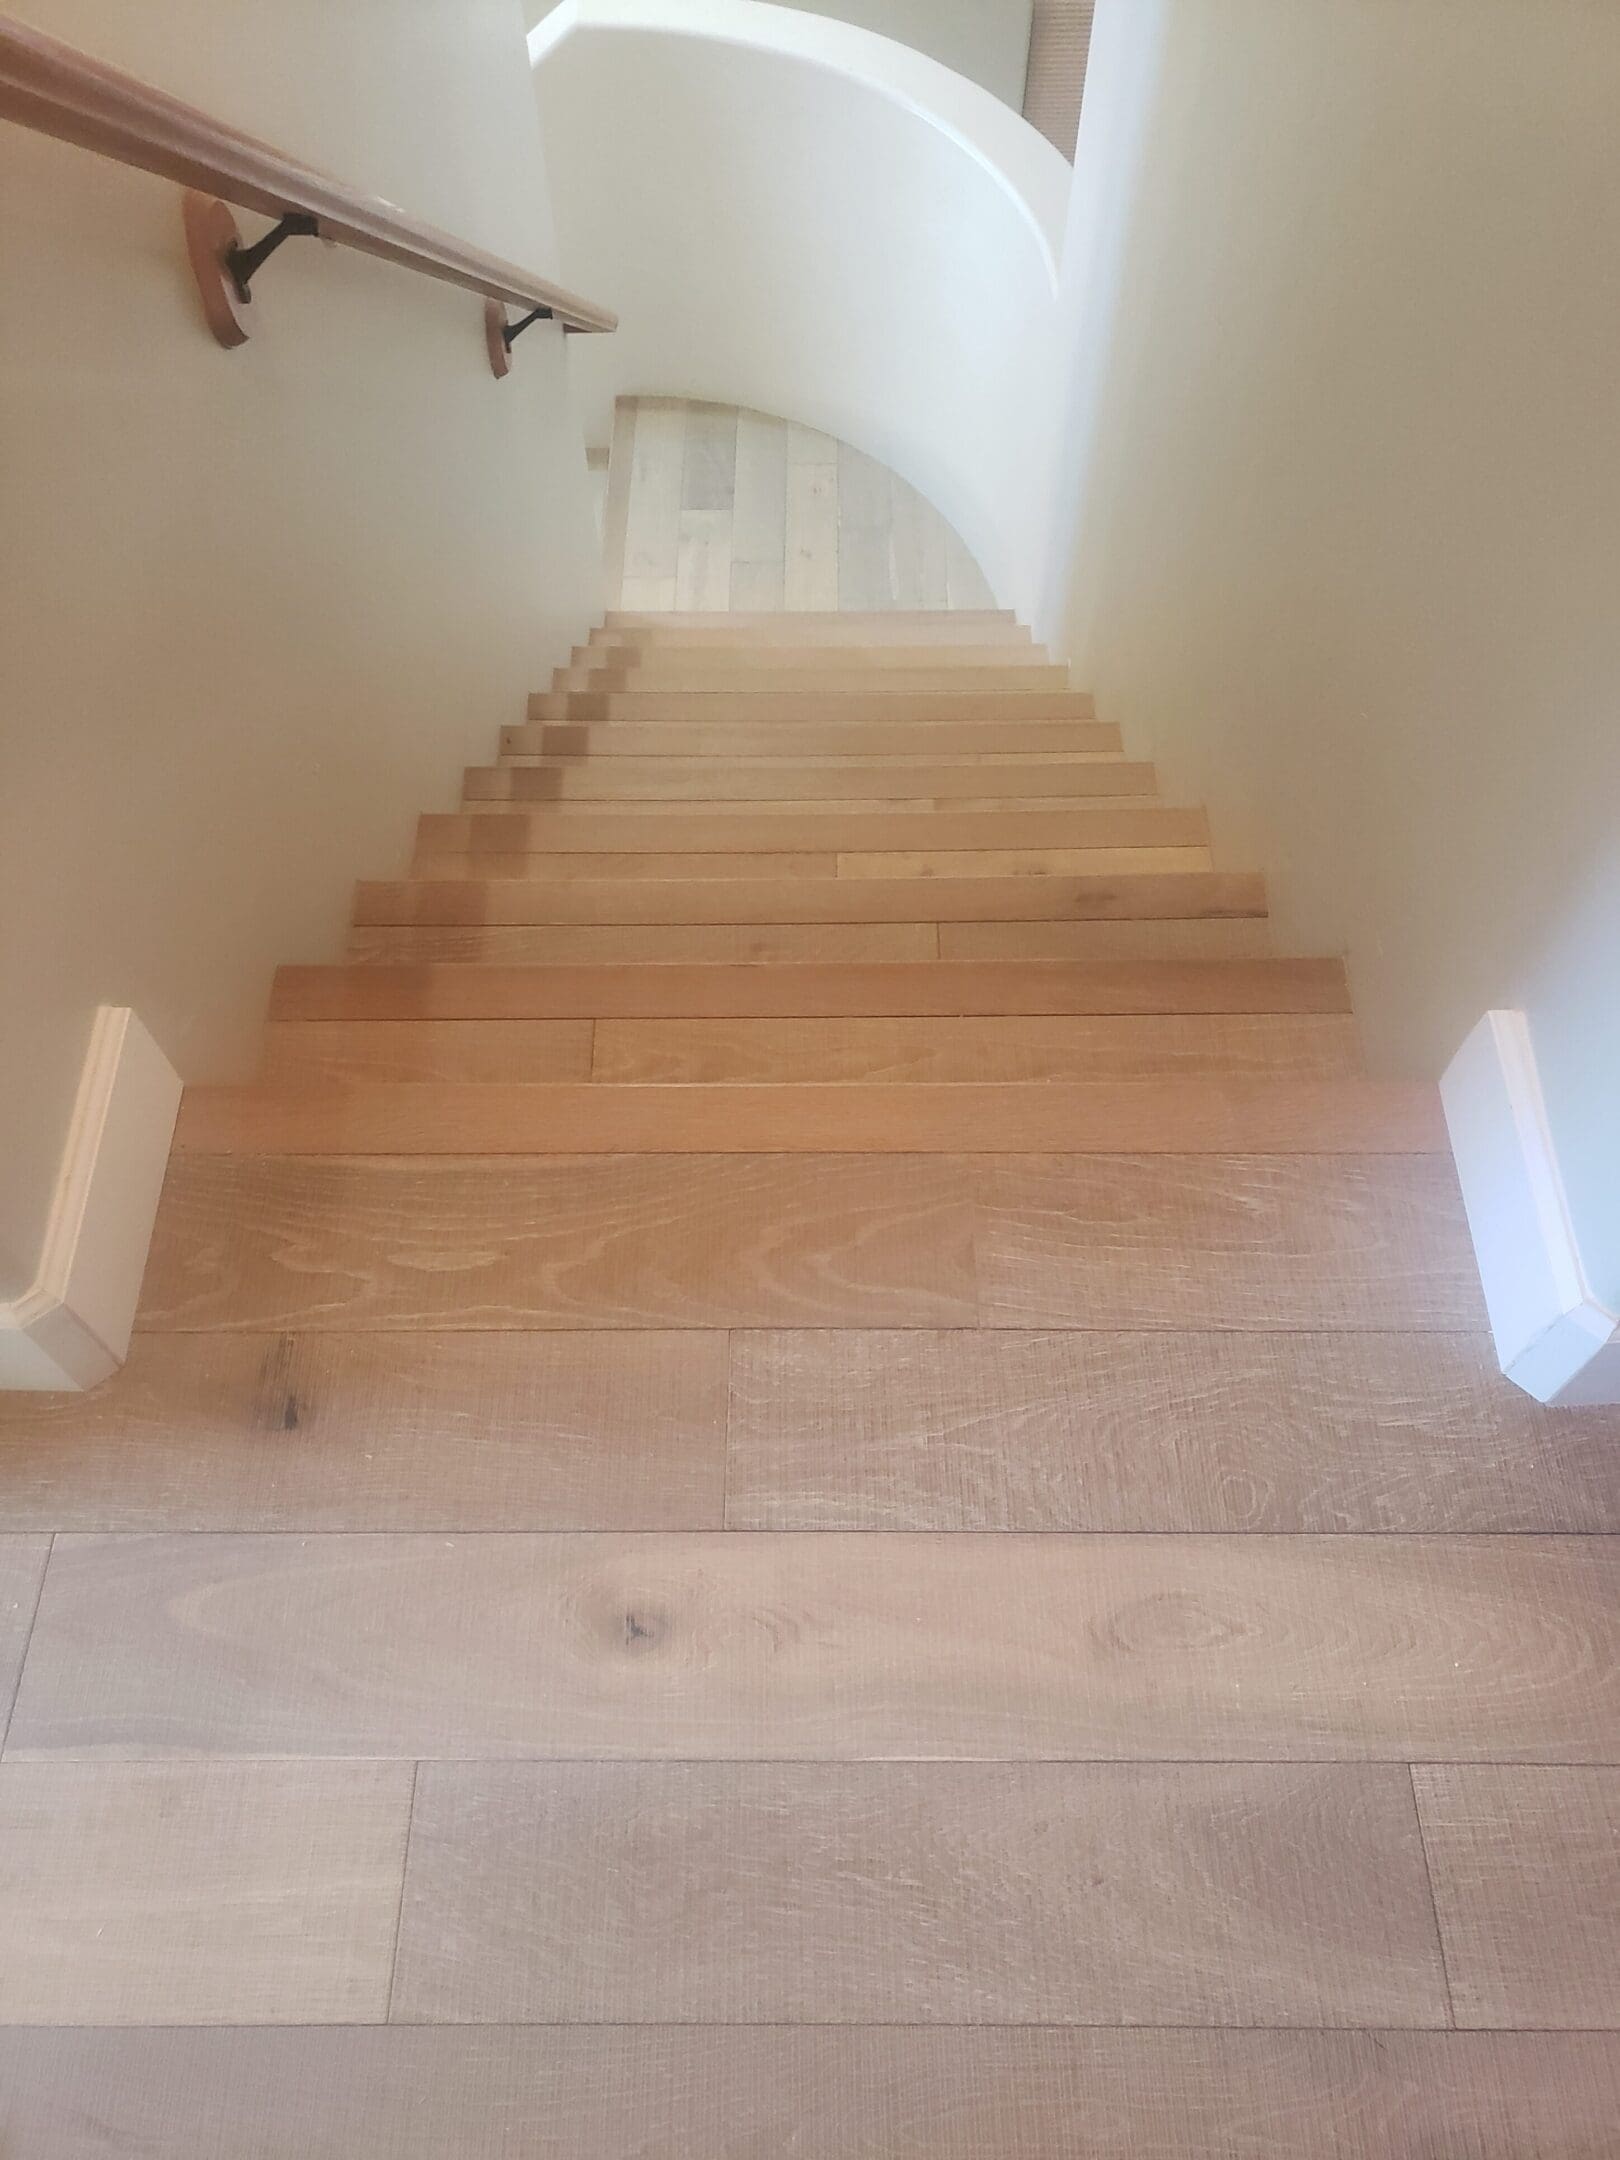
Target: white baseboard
(72, 1327)
(1553, 1337)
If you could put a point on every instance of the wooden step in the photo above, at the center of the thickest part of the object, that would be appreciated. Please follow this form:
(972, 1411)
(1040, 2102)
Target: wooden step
(1257, 1244)
(1210, 1115)
(863, 706)
(932, 989)
(812, 831)
(743, 661)
(768, 943)
(989, 862)
(805, 739)
(1230, 938)
(304, 1052)
(693, 674)
(1003, 1048)
(585, 943)
(646, 779)
(912, 806)
(752, 2092)
(899, 626)
(1179, 894)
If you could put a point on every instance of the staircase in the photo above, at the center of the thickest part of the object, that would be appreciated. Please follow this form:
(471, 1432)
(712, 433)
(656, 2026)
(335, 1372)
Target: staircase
(812, 1473)
(811, 885)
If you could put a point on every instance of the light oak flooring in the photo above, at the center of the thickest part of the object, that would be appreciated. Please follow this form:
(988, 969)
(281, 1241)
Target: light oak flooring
(812, 1473)
(711, 507)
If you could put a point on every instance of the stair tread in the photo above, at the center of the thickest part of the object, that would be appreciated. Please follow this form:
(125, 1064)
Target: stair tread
(753, 828)
(1212, 1114)
(651, 990)
(480, 901)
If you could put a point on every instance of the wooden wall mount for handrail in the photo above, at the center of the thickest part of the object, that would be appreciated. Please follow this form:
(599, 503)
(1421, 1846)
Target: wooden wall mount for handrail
(57, 90)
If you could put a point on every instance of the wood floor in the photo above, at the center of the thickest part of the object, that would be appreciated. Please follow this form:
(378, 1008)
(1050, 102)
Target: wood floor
(711, 507)
(813, 1473)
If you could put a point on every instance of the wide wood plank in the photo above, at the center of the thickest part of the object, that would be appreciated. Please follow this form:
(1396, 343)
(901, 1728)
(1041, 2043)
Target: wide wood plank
(827, 1646)
(937, 988)
(687, 676)
(649, 779)
(485, 2092)
(486, 863)
(825, 736)
(576, 830)
(1019, 862)
(963, 1430)
(1212, 1114)
(612, 944)
(22, 1570)
(779, 626)
(1526, 1868)
(962, 1894)
(588, 1242)
(1236, 938)
(1005, 1047)
(1258, 1244)
(740, 662)
(427, 1050)
(825, 701)
(373, 1432)
(212, 1893)
(1179, 894)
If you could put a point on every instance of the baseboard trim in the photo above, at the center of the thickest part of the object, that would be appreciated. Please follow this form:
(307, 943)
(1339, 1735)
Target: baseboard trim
(72, 1327)
(1553, 1338)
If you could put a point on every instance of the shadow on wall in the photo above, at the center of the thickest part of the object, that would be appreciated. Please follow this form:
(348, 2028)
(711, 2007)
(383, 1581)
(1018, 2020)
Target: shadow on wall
(712, 508)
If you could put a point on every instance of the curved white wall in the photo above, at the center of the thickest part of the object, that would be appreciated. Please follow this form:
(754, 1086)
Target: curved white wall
(817, 222)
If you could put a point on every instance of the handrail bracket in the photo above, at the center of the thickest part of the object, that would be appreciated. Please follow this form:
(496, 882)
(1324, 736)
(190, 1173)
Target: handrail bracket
(244, 262)
(499, 334)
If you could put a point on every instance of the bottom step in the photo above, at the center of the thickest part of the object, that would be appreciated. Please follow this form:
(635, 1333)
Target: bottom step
(1203, 1116)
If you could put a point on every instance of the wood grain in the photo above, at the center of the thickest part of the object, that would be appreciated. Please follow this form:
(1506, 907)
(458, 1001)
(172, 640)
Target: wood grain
(1526, 1868)
(310, 1052)
(1256, 1244)
(649, 779)
(612, 944)
(826, 1646)
(741, 663)
(22, 1570)
(579, 736)
(834, 1430)
(374, 1432)
(929, 989)
(569, 830)
(487, 2092)
(1006, 1047)
(961, 1893)
(1181, 894)
(593, 1242)
(1000, 942)
(1209, 1114)
(691, 676)
(201, 1893)
(486, 863)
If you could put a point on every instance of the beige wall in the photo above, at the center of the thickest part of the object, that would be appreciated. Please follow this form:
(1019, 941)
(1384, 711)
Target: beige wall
(257, 608)
(1351, 563)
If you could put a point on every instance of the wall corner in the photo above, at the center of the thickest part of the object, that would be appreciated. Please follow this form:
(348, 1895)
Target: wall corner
(72, 1327)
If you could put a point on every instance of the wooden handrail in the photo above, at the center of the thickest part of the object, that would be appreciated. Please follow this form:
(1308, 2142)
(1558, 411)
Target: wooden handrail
(57, 90)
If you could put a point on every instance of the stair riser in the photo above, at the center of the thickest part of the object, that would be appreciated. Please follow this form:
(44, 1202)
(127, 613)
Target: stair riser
(806, 739)
(706, 1052)
(1180, 895)
(1048, 862)
(814, 832)
(932, 990)
(649, 780)
(864, 707)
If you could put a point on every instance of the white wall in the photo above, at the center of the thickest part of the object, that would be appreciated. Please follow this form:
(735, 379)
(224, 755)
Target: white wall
(257, 608)
(1348, 474)
(985, 40)
(820, 224)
